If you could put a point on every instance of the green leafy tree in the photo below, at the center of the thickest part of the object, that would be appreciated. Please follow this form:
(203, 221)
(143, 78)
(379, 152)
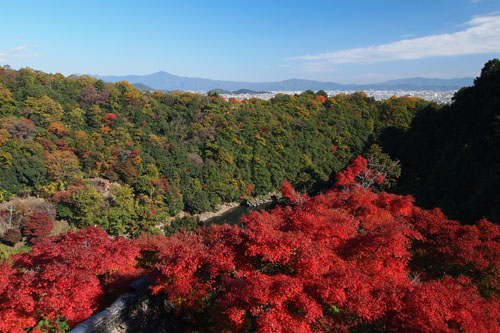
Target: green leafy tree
(86, 206)
(120, 217)
(43, 110)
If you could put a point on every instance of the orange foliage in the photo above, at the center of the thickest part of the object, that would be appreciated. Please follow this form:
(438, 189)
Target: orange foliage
(58, 128)
(235, 100)
(105, 129)
(321, 98)
(131, 96)
(157, 94)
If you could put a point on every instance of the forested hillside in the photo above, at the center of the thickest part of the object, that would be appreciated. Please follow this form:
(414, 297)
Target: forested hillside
(451, 155)
(111, 155)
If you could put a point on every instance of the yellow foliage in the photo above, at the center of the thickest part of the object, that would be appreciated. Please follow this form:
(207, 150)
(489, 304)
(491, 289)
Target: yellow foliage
(76, 116)
(85, 80)
(160, 142)
(53, 188)
(225, 156)
(46, 107)
(131, 96)
(6, 95)
(236, 141)
(261, 140)
(125, 84)
(5, 160)
(4, 136)
(3, 195)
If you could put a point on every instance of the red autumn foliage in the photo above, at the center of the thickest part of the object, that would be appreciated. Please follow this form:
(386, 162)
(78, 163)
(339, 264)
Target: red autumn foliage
(248, 191)
(62, 145)
(109, 117)
(28, 121)
(67, 195)
(160, 184)
(341, 259)
(37, 226)
(60, 276)
(290, 194)
(358, 174)
(46, 144)
(452, 305)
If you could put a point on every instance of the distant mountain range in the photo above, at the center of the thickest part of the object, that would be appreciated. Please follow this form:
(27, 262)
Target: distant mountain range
(167, 81)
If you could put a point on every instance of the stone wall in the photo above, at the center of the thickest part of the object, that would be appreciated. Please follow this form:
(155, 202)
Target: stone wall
(114, 318)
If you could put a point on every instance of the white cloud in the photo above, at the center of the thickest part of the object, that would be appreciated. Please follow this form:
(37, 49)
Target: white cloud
(481, 36)
(16, 53)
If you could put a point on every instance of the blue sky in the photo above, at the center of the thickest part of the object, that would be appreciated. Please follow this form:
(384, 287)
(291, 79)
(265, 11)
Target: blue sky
(340, 41)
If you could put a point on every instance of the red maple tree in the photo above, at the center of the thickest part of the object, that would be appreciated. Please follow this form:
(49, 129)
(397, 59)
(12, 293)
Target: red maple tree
(37, 226)
(60, 276)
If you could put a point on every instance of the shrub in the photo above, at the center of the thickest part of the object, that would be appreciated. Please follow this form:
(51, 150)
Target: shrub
(12, 237)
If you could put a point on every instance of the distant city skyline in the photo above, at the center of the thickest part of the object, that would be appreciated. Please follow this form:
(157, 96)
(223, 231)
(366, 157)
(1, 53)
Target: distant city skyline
(357, 42)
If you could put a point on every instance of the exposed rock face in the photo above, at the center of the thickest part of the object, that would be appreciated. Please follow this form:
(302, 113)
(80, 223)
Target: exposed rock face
(103, 186)
(223, 208)
(263, 199)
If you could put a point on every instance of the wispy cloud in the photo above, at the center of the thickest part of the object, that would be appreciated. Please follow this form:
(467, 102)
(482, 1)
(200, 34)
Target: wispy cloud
(481, 36)
(17, 53)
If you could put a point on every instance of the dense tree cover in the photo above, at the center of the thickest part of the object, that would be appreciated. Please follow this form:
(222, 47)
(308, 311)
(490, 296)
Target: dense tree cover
(172, 152)
(450, 156)
(346, 259)
(61, 278)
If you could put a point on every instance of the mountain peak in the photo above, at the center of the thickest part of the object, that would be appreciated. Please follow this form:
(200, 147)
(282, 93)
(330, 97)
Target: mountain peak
(166, 81)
